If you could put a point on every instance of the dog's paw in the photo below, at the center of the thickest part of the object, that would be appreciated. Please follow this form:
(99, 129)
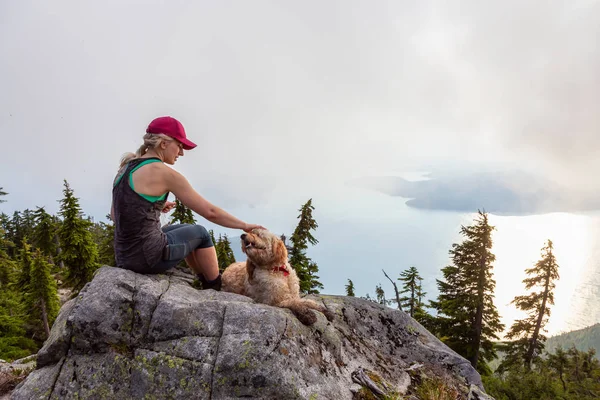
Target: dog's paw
(307, 317)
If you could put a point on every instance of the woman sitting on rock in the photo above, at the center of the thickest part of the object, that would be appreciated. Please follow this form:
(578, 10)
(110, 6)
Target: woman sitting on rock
(140, 192)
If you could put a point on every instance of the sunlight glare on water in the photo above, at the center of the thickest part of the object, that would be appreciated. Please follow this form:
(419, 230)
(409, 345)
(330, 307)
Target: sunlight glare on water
(517, 244)
(362, 232)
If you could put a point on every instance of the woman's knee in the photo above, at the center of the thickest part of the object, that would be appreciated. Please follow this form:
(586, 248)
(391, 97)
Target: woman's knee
(204, 236)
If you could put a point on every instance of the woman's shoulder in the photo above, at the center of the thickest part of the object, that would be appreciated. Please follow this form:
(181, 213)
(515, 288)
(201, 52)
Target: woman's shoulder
(160, 169)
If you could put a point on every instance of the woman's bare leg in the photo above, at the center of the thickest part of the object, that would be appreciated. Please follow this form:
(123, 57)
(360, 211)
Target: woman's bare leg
(204, 262)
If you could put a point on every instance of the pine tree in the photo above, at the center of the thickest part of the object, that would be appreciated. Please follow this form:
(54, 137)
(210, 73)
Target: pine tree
(28, 224)
(25, 261)
(369, 298)
(412, 285)
(104, 236)
(559, 361)
(182, 214)
(219, 251)
(583, 374)
(305, 268)
(528, 339)
(467, 317)
(79, 252)
(7, 265)
(42, 296)
(21, 226)
(14, 233)
(350, 288)
(224, 253)
(58, 224)
(380, 295)
(4, 223)
(106, 248)
(2, 193)
(311, 269)
(568, 375)
(44, 233)
(13, 343)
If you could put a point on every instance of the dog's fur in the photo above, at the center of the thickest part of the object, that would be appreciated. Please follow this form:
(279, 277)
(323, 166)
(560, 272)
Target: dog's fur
(268, 278)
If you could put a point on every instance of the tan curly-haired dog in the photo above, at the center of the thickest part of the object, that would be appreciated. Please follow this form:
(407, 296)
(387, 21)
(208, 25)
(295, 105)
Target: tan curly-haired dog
(268, 278)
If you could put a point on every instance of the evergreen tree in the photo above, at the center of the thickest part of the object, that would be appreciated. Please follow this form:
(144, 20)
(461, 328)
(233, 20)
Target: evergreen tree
(182, 214)
(13, 343)
(4, 223)
(21, 226)
(7, 265)
(311, 270)
(369, 298)
(14, 234)
(412, 285)
(2, 193)
(58, 224)
(224, 253)
(468, 320)
(350, 288)
(79, 252)
(28, 224)
(219, 251)
(568, 375)
(380, 295)
(305, 268)
(106, 247)
(25, 261)
(560, 363)
(528, 339)
(44, 233)
(104, 236)
(42, 296)
(584, 373)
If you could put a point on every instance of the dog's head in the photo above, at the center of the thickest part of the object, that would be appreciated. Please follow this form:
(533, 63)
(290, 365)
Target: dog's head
(264, 248)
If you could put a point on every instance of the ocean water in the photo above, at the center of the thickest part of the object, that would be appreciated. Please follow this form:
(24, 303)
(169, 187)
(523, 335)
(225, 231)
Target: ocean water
(362, 232)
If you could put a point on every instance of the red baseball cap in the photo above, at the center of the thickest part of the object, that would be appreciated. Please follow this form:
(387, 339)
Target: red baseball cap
(171, 127)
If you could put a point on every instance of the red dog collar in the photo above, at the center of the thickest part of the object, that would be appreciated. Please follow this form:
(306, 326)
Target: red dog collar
(281, 268)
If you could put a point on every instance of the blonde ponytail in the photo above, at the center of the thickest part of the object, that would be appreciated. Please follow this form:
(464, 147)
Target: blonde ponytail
(151, 141)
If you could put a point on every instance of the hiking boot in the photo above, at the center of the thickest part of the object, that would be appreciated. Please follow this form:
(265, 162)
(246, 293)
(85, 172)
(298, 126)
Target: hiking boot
(214, 284)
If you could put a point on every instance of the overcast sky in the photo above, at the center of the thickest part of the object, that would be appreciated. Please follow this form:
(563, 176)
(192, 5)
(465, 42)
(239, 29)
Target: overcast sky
(289, 100)
(273, 90)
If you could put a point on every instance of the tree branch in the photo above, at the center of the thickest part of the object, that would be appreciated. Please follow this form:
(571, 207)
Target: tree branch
(395, 289)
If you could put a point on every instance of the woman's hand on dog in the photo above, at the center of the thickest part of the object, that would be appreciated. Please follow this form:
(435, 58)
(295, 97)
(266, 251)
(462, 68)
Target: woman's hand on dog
(248, 228)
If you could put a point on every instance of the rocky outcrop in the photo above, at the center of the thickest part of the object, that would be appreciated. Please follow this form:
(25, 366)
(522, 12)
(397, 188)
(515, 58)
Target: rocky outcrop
(128, 335)
(11, 374)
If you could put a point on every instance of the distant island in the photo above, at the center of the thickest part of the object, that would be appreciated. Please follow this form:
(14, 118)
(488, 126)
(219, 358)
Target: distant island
(503, 193)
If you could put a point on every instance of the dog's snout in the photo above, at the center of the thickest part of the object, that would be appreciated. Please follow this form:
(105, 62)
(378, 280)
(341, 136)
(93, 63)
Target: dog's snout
(243, 236)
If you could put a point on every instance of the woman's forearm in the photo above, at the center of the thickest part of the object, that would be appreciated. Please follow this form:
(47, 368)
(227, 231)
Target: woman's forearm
(182, 189)
(221, 217)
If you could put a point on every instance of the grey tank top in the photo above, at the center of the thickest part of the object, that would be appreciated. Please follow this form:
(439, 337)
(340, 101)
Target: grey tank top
(139, 240)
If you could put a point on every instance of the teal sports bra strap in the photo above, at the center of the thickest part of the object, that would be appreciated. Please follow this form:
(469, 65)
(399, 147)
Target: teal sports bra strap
(147, 197)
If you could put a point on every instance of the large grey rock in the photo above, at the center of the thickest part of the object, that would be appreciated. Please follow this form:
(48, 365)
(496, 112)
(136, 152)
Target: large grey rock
(154, 336)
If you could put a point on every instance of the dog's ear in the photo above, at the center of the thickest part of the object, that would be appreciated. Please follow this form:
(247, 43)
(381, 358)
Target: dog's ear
(250, 267)
(280, 252)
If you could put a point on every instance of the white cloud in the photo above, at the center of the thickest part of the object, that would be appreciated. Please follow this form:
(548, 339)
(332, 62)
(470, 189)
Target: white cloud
(276, 90)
